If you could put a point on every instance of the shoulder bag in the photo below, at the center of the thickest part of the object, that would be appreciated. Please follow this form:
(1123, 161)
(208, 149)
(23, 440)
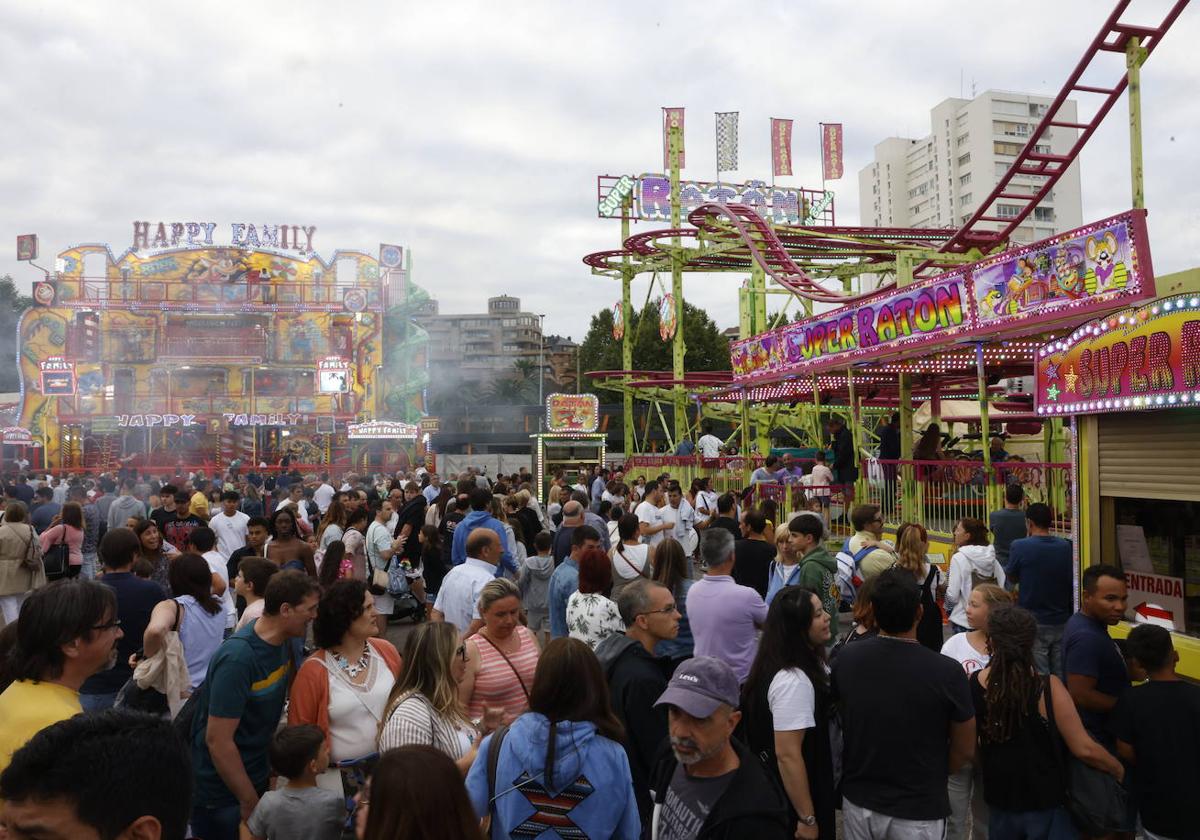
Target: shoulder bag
(149, 688)
(57, 561)
(510, 664)
(377, 579)
(1097, 802)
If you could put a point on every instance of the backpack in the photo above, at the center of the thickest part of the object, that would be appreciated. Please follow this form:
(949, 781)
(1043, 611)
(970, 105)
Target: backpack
(848, 576)
(977, 578)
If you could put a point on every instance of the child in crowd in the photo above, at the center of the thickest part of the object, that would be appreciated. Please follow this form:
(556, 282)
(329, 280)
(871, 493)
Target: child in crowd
(1157, 725)
(299, 809)
(534, 583)
(251, 582)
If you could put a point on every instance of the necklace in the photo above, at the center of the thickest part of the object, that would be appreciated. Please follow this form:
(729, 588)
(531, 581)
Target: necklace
(897, 638)
(354, 669)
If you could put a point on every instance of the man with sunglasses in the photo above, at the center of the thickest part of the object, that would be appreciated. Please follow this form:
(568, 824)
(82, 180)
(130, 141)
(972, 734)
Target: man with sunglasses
(636, 677)
(66, 632)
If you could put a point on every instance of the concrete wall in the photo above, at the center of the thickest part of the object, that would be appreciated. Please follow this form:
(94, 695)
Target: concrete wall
(452, 465)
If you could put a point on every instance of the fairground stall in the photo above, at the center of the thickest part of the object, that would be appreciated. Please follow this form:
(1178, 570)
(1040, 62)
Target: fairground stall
(181, 351)
(1130, 384)
(570, 443)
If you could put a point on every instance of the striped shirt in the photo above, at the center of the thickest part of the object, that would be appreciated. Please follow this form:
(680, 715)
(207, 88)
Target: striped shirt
(496, 686)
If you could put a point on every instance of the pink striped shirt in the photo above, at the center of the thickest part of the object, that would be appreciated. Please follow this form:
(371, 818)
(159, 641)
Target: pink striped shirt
(496, 686)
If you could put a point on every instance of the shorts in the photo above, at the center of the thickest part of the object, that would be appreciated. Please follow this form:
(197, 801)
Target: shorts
(384, 604)
(538, 620)
(861, 823)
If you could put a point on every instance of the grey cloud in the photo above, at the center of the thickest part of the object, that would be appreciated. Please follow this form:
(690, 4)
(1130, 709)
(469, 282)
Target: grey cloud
(472, 132)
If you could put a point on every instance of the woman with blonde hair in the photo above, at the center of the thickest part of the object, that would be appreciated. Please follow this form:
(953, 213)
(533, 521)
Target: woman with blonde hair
(554, 506)
(912, 550)
(501, 657)
(424, 706)
(531, 524)
(968, 811)
(513, 542)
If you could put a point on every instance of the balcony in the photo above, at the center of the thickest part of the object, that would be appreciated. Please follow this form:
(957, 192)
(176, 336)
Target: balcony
(253, 348)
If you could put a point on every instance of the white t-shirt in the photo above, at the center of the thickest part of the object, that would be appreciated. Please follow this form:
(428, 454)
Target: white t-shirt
(683, 517)
(820, 477)
(355, 712)
(710, 446)
(323, 495)
(960, 650)
(792, 699)
(629, 561)
(217, 565)
(650, 514)
(706, 499)
(230, 531)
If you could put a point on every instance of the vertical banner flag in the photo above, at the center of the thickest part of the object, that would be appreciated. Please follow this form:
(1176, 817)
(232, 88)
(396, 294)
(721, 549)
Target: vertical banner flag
(781, 147)
(831, 151)
(727, 141)
(672, 118)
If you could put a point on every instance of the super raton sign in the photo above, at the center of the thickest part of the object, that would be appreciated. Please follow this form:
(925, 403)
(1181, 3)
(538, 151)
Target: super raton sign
(1090, 269)
(1145, 357)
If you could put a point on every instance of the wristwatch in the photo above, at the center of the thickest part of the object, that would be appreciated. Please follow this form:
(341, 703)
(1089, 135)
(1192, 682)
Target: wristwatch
(809, 821)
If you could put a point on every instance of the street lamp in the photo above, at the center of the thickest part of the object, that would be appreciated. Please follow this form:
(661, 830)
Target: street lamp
(541, 370)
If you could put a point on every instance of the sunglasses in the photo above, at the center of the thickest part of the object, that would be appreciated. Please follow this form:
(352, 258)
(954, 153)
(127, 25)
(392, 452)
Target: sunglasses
(461, 652)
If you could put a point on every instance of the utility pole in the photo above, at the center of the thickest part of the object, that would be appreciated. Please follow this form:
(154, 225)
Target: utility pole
(541, 372)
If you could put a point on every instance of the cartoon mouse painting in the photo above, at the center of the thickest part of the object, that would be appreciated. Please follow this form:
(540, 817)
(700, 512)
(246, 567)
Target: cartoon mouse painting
(1105, 273)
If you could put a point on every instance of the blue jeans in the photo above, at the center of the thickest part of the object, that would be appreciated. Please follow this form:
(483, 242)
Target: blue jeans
(1047, 649)
(90, 561)
(1051, 824)
(217, 823)
(97, 702)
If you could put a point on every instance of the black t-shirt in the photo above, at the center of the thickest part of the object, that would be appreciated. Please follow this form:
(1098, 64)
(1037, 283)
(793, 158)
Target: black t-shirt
(729, 524)
(1161, 720)
(898, 700)
(752, 564)
(176, 531)
(161, 517)
(136, 599)
(231, 568)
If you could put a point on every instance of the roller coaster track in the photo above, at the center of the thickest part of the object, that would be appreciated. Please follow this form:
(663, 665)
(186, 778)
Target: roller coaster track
(727, 222)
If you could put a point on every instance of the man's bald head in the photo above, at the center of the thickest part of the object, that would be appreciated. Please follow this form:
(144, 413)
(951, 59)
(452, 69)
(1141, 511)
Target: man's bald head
(484, 544)
(572, 510)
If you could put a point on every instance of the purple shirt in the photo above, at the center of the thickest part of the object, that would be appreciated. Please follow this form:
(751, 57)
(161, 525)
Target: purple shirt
(725, 617)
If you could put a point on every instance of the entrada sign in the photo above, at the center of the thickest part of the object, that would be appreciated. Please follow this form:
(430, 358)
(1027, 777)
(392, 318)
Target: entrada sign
(191, 234)
(1140, 358)
(1092, 269)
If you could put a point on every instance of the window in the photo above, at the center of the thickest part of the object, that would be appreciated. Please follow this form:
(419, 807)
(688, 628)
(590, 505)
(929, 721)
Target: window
(1010, 129)
(964, 159)
(1042, 148)
(964, 180)
(1043, 214)
(966, 198)
(962, 138)
(1005, 106)
(1002, 148)
(1007, 211)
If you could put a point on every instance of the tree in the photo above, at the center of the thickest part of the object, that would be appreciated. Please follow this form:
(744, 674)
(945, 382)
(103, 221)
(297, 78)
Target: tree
(707, 349)
(12, 304)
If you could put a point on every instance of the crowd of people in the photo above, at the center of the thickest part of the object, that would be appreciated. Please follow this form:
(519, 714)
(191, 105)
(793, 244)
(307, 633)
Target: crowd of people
(194, 657)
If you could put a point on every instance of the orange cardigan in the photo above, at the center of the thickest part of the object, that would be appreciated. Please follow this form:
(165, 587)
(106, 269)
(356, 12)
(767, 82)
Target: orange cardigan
(309, 699)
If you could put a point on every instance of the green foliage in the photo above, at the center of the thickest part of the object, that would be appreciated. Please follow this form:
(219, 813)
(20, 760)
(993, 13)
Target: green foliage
(12, 304)
(707, 349)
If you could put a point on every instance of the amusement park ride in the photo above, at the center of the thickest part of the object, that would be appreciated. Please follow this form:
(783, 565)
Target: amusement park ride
(183, 352)
(980, 321)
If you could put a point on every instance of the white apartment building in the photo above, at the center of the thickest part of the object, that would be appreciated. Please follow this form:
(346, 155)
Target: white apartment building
(940, 180)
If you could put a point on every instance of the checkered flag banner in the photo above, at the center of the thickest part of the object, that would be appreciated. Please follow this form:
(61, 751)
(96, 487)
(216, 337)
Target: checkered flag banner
(727, 141)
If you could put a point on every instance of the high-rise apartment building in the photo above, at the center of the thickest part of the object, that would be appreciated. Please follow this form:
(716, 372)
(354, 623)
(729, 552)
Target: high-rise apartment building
(940, 180)
(480, 346)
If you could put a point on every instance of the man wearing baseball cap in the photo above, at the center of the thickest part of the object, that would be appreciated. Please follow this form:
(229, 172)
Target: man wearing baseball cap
(711, 786)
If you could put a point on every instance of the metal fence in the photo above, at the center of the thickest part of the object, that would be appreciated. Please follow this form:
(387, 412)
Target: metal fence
(935, 493)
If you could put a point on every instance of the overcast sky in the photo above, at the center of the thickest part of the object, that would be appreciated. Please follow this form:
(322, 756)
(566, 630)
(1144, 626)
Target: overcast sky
(472, 132)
